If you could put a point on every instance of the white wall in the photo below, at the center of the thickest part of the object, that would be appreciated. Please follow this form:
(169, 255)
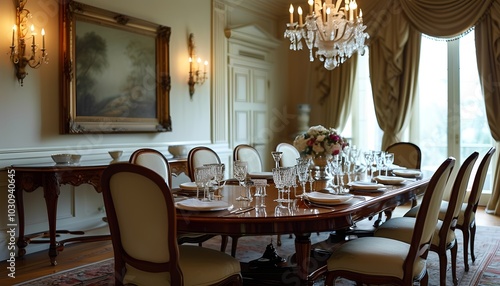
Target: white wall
(29, 115)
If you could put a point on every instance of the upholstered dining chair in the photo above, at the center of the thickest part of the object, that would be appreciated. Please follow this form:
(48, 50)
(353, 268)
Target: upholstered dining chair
(380, 260)
(466, 221)
(289, 156)
(406, 154)
(444, 239)
(143, 228)
(199, 156)
(156, 161)
(249, 154)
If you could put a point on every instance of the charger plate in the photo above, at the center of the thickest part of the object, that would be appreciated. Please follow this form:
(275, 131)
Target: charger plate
(407, 173)
(189, 186)
(391, 180)
(328, 199)
(261, 175)
(366, 186)
(197, 205)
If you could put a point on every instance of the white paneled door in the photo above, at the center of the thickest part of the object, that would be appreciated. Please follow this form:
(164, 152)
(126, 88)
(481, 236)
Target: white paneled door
(249, 87)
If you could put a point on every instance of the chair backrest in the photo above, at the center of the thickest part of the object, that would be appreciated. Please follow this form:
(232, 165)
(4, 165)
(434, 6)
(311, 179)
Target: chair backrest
(457, 195)
(478, 184)
(290, 154)
(142, 224)
(199, 156)
(427, 216)
(154, 160)
(406, 154)
(249, 154)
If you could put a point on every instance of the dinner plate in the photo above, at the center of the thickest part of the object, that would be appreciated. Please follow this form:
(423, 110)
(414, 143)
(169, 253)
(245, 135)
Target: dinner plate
(197, 205)
(322, 198)
(391, 180)
(261, 175)
(188, 186)
(366, 186)
(407, 173)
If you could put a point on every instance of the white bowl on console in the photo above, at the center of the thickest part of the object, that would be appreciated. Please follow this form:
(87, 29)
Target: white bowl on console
(179, 151)
(116, 154)
(61, 158)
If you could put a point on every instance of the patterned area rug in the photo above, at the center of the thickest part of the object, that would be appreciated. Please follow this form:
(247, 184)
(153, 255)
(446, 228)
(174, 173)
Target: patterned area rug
(485, 271)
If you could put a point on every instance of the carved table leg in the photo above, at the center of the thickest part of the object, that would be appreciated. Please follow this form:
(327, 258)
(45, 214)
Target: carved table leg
(303, 254)
(51, 194)
(21, 240)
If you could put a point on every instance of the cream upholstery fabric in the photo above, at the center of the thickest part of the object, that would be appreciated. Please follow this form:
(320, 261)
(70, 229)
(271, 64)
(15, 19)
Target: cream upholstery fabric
(251, 156)
(290, 154)
(401, 229)
(365, 257)
(203, 157)
(145, 230)
(193, 261)
(374, 256)
(156, 163)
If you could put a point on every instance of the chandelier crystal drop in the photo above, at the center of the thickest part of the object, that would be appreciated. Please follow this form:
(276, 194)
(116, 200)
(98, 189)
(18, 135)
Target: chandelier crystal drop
(333, 31)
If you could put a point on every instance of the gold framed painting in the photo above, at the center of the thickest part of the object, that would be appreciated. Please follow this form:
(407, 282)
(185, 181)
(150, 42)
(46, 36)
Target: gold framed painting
(114, 72)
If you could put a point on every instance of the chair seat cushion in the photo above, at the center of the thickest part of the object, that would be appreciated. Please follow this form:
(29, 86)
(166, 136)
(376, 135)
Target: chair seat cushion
(193, 261)
(374, 256)
(401, 228)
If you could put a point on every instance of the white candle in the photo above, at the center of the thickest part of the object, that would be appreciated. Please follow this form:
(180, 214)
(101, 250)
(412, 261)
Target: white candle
(13, 34)
(33, 33)
(311, 3)
(205, 66)
(199, 61)
(300, 15)
(43, 39)
(352, 7)
(291, 13)
(324, 12)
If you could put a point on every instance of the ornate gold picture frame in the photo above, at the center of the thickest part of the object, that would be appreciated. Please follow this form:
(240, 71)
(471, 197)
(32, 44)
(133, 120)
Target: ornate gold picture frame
(115, 74)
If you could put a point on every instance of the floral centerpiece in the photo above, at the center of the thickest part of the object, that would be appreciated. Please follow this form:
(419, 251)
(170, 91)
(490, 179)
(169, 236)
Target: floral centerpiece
(319, 141)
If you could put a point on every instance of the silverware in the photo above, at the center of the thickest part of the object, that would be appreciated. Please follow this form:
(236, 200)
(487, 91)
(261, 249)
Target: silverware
(239, 211)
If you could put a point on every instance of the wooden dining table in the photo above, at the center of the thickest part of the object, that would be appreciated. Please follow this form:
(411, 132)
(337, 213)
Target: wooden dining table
(298, 217)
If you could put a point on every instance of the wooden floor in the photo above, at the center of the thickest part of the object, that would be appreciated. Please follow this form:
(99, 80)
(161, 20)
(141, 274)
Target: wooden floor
(37, 264)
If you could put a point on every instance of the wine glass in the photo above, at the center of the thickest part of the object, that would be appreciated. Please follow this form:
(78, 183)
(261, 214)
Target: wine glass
(302, 168)
(200, 175)
(277, 157)
(217, 174)
(240, 170)
(279, 183)
(368, 155)
(389, 159)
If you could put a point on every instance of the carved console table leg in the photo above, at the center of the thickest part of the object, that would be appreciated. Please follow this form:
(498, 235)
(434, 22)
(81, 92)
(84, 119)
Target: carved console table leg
(51, 195)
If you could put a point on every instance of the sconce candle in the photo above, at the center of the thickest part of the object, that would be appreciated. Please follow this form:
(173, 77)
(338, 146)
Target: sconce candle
(43, 39)
(19, 55)
(195, 76)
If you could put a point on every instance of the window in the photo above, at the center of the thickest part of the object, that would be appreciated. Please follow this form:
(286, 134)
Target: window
(449, 117)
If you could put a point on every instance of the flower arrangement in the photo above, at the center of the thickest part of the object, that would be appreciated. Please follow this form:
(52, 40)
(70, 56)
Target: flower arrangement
(319, 140)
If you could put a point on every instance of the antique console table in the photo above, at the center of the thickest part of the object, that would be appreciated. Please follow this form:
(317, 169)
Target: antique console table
(50, 177)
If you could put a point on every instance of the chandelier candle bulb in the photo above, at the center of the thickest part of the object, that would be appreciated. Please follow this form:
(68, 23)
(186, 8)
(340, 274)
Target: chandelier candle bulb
(299, 10)
(332, 35)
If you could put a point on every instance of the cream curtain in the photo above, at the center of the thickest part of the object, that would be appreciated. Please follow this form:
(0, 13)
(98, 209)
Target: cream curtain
(333, 91)
(392, 25)
(394, 60)
(488, 60)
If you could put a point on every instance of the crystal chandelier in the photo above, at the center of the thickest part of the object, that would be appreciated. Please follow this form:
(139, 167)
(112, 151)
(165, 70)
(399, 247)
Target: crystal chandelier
(335, 31)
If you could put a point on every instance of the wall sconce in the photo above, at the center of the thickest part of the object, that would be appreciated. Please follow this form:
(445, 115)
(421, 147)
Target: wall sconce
(18, 54)
(196, 76)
